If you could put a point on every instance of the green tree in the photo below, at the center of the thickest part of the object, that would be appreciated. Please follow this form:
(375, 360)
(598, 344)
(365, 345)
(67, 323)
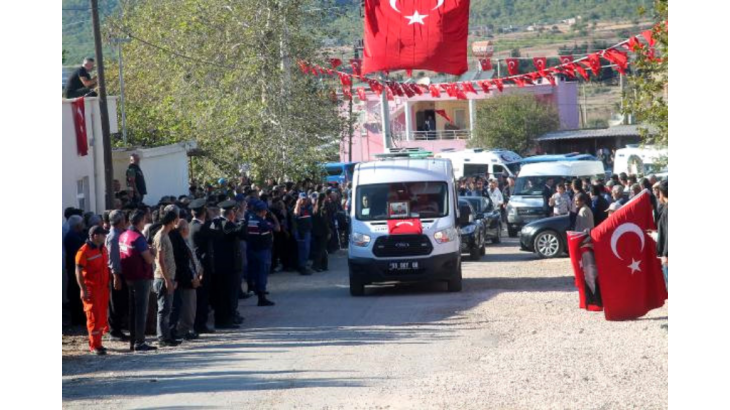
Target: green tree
(513, 122)
(225, 75)
(646, 96)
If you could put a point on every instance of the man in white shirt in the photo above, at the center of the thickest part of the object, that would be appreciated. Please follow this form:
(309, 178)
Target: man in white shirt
(495, 194)
(560, 201)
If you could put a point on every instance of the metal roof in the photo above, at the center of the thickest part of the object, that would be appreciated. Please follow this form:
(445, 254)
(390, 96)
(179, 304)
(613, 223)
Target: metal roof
(617, 131)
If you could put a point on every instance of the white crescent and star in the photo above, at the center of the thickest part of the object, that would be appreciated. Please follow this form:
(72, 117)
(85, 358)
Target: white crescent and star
(404, 223)
(416, 17)
(628, 228)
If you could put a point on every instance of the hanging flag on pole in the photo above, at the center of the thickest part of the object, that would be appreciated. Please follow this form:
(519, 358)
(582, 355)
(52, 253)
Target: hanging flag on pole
(79, 112)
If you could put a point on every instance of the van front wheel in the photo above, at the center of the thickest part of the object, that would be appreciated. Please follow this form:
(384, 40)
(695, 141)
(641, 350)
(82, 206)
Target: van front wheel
(455, 284)
(357, 286)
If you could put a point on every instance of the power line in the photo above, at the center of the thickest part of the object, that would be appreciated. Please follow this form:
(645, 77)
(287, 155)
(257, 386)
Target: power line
(75, 23)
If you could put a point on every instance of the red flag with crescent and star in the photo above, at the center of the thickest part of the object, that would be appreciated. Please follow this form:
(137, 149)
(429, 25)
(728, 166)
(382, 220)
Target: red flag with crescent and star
(407, 34)
(629, 272)
(79, 112)
(513, 66)
(540, 63)
(583, 260)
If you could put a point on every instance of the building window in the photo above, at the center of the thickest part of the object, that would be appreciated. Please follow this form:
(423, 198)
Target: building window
(460, 118)
(82, 193)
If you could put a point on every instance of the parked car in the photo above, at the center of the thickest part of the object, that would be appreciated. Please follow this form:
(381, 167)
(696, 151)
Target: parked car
(546, 237)
(491, 218)
(471, 229)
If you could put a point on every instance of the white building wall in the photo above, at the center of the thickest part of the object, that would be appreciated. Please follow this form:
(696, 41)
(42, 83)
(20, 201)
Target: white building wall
(91, 166)
(165, 169)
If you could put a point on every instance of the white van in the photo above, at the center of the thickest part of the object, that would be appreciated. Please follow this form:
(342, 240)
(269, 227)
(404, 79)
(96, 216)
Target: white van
(406, 189)
(527, 202)
(477, 161)
(638, 160)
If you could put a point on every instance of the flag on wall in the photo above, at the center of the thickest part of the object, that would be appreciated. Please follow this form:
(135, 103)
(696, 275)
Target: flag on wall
(79, 113)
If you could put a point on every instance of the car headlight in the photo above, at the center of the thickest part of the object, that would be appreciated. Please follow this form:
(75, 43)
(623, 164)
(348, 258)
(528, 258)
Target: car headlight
(469, 229)
(447, 235)
(359, 239)
(527, 230)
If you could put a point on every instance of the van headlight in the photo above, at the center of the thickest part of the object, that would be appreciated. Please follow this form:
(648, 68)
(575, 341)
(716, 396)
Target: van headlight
(359, 239)
(511, 209)
(447, 235)
(469, 229)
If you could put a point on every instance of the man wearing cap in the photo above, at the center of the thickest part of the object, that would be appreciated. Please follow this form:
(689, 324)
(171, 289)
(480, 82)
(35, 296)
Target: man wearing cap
(228, 265)
(201, 237)
(92, 275)
(260, 240)
(119, 301)
(303, 231)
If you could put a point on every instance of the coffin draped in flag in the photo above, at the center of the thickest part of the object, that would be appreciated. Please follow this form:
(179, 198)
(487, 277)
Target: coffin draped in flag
(405, 227)
(629, 273)
(409, 34)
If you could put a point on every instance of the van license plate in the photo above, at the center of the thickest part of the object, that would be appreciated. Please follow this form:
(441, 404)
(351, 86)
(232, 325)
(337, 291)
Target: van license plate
(404, 266)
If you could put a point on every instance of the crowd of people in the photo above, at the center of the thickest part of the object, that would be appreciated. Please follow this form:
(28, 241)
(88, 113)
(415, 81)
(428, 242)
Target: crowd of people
(194, 254)
(588, 202)
(205, 251)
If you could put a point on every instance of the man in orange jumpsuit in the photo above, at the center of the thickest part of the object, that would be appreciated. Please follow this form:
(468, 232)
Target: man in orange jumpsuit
(92, 274)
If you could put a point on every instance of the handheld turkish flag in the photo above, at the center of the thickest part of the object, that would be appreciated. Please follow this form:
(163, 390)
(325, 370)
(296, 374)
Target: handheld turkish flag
(405, 227)
(584, 268)
(629, 273)
(427, 34)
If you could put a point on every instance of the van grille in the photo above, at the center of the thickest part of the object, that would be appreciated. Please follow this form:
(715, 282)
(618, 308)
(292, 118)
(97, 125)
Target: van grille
(402, 245)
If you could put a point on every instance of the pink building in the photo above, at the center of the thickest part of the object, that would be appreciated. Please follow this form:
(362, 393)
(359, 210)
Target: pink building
(408, 117)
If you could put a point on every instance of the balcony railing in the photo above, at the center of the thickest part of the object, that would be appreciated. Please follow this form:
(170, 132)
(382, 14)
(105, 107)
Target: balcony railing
(432, 135)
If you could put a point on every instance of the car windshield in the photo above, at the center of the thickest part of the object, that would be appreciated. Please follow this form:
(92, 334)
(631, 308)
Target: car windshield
(479, 203)
(402, 200)
(534, 185)
(514, 167)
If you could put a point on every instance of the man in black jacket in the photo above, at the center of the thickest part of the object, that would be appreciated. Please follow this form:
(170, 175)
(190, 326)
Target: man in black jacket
(228, 265)
(135, 179)
(202, 240)
(182, 317)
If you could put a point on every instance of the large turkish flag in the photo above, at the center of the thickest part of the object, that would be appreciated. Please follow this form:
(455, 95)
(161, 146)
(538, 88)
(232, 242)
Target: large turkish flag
(629, 272)
(582, 258)
(411, 34)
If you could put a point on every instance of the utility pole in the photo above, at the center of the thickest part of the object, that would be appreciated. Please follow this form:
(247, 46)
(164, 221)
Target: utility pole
(104, 113)
(351, 130)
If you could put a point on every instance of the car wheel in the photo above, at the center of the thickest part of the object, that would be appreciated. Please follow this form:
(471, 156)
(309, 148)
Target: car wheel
(454, 285)
(498, 238)
(512, 232)
(357, 286)
(474, 253)
(548, 244)
(483, 250)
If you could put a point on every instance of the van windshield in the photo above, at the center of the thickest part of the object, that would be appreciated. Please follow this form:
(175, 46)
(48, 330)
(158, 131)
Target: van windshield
(534, 185)
(402, 200)
(334, 170)
(475, 169)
